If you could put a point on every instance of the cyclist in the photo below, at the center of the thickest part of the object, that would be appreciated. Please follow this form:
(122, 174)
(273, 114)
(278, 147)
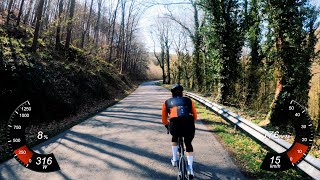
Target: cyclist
(182, 118)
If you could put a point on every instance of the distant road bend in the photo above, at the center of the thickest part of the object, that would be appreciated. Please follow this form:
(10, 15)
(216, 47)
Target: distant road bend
(127, 141)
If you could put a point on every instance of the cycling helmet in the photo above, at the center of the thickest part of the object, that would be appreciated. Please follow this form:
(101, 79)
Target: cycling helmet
(176, 90)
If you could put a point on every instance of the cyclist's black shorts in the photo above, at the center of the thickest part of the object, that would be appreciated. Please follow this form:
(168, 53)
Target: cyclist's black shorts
(183, 127)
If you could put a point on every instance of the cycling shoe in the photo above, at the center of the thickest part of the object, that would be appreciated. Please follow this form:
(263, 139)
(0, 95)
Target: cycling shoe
(174, 163)
(190, 173)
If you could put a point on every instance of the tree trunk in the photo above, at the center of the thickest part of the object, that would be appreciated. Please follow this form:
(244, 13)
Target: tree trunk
(129, 31)
(58, 41)
(279, 77)
(197, 47)
(47, 9)
(113, 29)
(84, 33)
(69, 28)
(84, 25)
(20, 12)
(43, 21)
(161, 62)
(197, 64)
(179, 67)
(163, 75)
(28, 12)
(96, 29)
(34, 13)
(1, 6)
(318, 129)
(122, 35)
(253, 80)
(9, 11)
(168, 60)
(38, 23)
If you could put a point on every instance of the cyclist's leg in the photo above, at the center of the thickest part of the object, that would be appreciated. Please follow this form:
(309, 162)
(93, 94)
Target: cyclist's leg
(174, 142)
(189, 135)
(188, 142)
(190, 130)
(189, 149)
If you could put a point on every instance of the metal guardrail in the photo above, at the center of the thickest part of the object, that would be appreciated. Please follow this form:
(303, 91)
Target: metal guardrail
(309, 165)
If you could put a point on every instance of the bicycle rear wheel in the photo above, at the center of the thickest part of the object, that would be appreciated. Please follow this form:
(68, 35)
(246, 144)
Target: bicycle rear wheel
(183, 173)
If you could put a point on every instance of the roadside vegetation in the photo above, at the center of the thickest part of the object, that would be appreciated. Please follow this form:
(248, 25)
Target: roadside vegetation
(247, 153)
(253, 55)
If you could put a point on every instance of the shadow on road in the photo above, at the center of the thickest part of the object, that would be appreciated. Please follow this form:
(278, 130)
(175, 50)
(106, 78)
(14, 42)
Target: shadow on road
(114, 150)
(10, 172)
(213, 172)
(130, 117)
(127, 141)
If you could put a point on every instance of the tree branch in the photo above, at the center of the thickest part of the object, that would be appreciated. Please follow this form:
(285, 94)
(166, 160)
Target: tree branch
(170, 16)
(149, 5)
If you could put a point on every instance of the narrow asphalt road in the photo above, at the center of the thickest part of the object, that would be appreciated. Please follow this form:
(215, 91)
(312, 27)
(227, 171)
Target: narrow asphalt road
(127, 141)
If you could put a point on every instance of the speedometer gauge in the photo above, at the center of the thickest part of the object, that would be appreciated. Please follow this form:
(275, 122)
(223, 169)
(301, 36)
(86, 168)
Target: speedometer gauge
(302, 144)
(18, 145)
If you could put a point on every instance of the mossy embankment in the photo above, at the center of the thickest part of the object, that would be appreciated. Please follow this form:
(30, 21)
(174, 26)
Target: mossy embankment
(62, 86)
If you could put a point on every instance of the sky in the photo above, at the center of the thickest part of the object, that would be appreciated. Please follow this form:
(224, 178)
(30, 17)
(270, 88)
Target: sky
(316, 2)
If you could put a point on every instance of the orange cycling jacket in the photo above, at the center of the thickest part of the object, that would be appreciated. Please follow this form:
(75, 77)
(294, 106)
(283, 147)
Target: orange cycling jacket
(173, 109)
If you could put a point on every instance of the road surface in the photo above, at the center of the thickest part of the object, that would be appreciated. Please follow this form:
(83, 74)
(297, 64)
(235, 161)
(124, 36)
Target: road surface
(127, 141)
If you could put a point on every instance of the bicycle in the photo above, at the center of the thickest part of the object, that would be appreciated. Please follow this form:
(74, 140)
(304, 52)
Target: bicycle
(183, 164)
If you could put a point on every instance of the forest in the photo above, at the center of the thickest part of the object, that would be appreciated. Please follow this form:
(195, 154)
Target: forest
(252, 55)
(72, 59)
(67, 56)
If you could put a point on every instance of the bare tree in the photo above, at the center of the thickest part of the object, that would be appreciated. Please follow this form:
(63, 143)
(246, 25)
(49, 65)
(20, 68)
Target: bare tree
(167, 48)
(162, 35)
(28, 12)
(180, 41)
(47, 12)
(69, 28)
(85, 32)
(38, 23)
(196, 38)
(9, 12)
(58, 41)
(113, 31)
(160, 59)
(83, 24)
(133, 17)
(34, 13)
(20, 12)
(96, 29)
(122, 33)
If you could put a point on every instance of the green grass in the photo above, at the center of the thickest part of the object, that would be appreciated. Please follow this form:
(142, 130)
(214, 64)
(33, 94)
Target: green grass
(247, 152)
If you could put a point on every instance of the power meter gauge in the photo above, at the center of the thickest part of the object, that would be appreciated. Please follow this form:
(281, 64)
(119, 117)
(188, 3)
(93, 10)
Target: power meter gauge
(19, 148)
(302, 144)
